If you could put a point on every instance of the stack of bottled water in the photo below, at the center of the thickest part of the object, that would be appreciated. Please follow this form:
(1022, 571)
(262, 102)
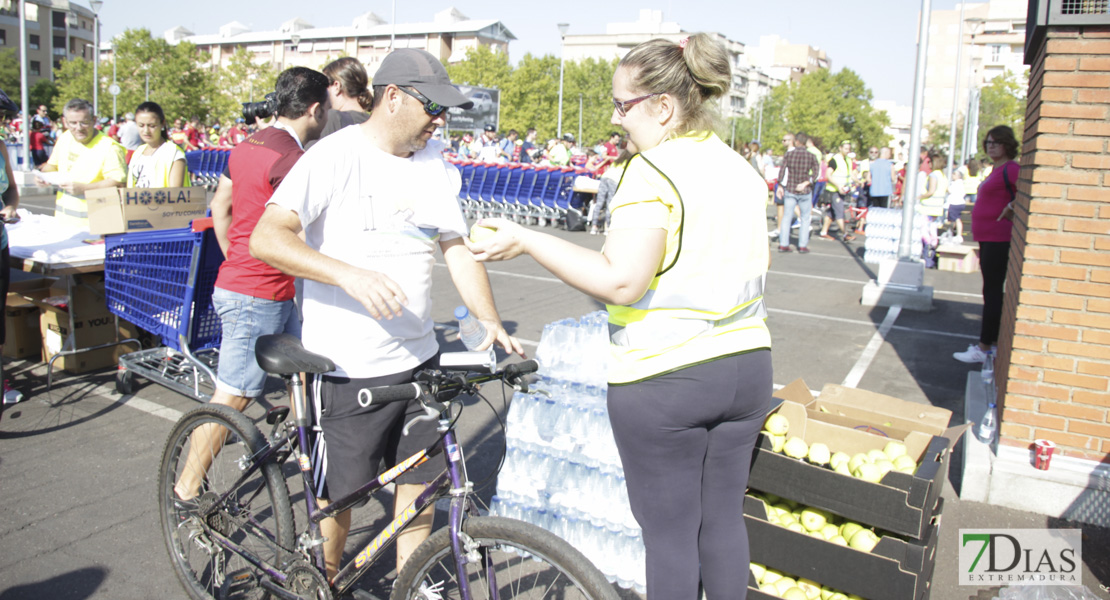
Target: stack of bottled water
(562, 471)
(884, 230)
(576, 350)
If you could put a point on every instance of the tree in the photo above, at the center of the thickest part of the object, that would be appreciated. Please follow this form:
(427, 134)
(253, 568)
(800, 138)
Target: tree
(530, 98)
(483, 67)
(177, 81)
(836, 107)
(1003, 103)
(43, 93)
(242, 80)
(9, 74)
(592, 78)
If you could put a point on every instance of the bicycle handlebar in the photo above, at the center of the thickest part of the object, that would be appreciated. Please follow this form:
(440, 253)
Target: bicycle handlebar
(433, 381)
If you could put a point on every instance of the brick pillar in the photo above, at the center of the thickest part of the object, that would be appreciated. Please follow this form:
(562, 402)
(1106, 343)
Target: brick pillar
(1054, 344)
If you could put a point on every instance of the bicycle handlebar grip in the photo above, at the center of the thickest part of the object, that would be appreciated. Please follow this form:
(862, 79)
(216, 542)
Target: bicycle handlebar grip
(389, 393)
(521, 368)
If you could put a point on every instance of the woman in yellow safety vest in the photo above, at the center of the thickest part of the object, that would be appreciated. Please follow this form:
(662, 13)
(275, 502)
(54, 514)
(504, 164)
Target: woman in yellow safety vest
(158, 163)
(682, 276)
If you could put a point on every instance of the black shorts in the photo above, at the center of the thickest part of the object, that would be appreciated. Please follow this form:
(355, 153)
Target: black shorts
(352, 440)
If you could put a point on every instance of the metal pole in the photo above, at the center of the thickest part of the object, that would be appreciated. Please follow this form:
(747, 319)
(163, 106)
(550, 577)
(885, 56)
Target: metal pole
(24, 94)
(96, 65)
(956, 96)
(909, 190)
(759, 133)
(562, 44)
(114, 96)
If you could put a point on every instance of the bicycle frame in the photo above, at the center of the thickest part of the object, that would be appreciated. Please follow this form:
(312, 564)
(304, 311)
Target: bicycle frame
(451, 482)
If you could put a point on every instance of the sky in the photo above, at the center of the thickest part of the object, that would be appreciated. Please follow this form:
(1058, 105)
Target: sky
(874, 38)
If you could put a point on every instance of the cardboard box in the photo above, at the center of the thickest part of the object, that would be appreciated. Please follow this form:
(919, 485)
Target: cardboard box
(958, 258)
(89, 331)
(119, 210)
(880, 414)
(901, 503)
(894, 569)
(88, 297)
(21, 328)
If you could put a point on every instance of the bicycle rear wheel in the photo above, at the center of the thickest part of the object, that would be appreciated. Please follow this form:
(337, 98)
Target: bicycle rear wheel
(256, 515)
(516, 559)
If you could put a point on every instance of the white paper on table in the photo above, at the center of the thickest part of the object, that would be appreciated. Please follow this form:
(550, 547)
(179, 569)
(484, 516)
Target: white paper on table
(54, 177)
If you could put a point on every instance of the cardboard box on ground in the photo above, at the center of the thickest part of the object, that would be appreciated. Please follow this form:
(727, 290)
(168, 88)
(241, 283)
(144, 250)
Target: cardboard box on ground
(119, 210)
(92, 324)
(22, 337)
(958, 258)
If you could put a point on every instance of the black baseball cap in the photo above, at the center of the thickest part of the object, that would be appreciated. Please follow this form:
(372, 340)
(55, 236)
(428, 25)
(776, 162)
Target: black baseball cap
(410, 67)
(490, 128)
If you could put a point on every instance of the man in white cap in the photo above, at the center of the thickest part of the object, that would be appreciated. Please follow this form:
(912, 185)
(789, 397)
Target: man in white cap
(374, 202)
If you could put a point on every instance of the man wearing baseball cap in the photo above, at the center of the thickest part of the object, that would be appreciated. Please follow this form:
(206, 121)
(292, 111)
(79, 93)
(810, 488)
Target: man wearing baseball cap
(374, 202)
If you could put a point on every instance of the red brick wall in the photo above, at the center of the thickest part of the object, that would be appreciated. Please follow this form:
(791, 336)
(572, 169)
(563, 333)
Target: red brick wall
(1054, 345)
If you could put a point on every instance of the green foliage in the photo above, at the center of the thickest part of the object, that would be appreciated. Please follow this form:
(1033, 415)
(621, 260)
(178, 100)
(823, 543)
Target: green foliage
(530, 92)
(831, 107)
(531, 97)
(43, 92)
(836, 107)
(9, 74)
(74, 80)
(483, 67)
(1003, 103)
(241, 81)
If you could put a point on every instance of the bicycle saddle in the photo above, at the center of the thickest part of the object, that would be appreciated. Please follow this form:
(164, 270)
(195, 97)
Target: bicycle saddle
(283, 354)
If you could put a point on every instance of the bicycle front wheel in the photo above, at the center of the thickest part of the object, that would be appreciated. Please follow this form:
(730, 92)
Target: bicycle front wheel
(207, 452)
(506, 559)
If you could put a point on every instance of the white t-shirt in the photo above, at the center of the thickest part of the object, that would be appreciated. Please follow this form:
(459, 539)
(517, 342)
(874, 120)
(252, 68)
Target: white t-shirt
(379, 212)
(152, 171)
(956, 193)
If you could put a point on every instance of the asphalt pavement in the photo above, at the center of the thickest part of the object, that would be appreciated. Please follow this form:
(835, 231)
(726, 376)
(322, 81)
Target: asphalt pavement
(78, 462)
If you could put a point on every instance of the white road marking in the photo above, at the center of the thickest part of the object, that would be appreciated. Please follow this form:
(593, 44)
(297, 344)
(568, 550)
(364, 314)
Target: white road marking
(170, 414)
(872, 349)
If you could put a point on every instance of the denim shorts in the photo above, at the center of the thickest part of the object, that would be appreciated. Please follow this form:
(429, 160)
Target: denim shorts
(244, 319)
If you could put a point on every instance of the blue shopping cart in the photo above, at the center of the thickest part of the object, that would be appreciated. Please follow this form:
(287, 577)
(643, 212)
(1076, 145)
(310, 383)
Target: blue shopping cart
(162, 281)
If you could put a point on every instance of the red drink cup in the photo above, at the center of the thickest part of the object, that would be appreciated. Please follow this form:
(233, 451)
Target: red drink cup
(1043, 453)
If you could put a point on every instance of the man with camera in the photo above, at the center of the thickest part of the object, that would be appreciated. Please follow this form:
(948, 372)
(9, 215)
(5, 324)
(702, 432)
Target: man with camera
(252, 298)
(374, 203)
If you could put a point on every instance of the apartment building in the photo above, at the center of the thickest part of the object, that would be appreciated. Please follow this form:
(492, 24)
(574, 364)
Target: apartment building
(56, 30)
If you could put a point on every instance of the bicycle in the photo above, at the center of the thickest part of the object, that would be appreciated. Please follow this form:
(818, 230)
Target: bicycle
(237, 539)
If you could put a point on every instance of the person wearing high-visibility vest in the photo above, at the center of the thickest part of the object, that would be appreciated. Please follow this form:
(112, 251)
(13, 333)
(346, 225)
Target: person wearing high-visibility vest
(841, 179)
(89, 158)
(682, 276)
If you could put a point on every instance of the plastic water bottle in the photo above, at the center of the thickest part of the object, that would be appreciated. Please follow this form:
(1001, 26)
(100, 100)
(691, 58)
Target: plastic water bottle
(987, 372)
(987, 426)
(471, 331)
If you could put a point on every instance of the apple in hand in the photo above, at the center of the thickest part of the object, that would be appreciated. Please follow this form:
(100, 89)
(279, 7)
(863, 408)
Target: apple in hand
(480, 232)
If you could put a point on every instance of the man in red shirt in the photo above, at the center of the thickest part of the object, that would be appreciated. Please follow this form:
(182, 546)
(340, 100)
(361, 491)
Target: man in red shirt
(252, 298)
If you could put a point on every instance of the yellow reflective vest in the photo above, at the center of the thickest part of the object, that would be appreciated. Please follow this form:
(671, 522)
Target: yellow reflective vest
(99, 159)
(706, 299)
(840, 177)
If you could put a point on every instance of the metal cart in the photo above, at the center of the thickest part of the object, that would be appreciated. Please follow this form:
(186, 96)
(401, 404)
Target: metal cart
(162, 281)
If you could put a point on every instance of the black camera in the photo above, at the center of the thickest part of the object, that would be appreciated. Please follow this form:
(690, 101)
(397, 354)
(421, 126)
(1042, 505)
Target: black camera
(261, 110)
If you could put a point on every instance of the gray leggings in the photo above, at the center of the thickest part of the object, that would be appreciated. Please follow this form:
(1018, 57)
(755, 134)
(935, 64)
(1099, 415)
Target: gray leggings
(686, 441)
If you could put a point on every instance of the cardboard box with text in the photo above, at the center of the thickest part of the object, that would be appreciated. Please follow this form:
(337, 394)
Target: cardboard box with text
(119, 210)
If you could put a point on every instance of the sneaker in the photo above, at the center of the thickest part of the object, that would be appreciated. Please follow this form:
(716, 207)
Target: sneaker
(849, 237)
(825, 236)
(795, 225)
(803, 250)
(773, 234)
(784, 248)
(11, 395)
(973, 354)
(593, 230)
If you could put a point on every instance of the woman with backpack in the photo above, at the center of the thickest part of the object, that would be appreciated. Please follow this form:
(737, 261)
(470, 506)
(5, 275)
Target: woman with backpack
(990, 226)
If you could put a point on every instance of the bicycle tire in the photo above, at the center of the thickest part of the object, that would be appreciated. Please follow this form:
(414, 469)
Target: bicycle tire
(256, 512)
(527, 561)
